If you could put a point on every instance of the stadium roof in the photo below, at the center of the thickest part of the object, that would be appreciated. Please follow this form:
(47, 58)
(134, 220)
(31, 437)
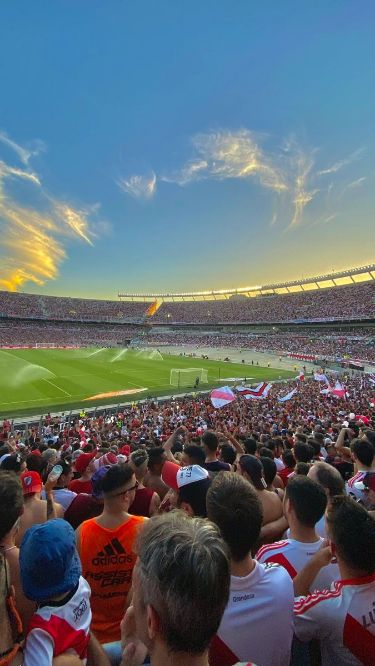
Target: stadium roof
(334, 279)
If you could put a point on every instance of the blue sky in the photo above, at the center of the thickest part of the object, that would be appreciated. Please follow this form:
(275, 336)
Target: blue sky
(167, 145)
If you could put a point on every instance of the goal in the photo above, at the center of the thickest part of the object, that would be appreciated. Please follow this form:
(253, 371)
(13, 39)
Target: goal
(188, 377)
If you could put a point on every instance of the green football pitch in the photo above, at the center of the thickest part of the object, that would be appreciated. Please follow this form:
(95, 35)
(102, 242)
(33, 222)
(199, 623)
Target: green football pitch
(35, 381)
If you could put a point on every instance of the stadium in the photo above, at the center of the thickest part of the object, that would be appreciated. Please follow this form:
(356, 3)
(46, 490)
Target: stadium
(67, 353)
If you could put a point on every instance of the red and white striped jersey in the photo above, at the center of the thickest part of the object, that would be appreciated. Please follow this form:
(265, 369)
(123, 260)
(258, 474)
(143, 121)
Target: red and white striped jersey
(351, 488)
(343, 619)
(258, 620)
(294, 555)
(56, 629)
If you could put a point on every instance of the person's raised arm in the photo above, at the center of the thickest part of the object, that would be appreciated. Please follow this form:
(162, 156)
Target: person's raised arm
(305, 578)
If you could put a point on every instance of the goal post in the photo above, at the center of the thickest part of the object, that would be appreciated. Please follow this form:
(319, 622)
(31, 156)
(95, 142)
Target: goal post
(188, 377)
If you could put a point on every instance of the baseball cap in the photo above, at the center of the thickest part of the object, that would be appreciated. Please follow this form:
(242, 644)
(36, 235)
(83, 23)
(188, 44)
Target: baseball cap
(49, 561)
(83, 461)
(176, 477)
(97, 479)
(107, 459)
(31, 482)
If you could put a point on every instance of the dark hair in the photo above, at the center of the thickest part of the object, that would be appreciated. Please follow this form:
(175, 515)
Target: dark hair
(116, 477)
(269, 469)
(35, 463)
(195, 495)
(330, 478)
(12, 463)
(315, 446)
(11, 501)
(210, 439)
(156, 456)
(195, 453)
(363, 450)
(302, 468)
(250, 446)
(228, 453)
(370, 435)
(300, 437)
(308, 499)
(265, 452)
(236, 509)
(352, 530)
(4, 448)
(254, 468)
(303, 452)
(288, 458)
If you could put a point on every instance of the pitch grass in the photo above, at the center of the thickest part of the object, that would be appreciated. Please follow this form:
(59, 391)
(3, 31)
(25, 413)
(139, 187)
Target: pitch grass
(36, 381)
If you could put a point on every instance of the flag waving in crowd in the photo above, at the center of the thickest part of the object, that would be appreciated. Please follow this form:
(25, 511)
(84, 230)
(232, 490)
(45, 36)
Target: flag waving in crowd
(222, 396)
(288, 396)
(260, 391)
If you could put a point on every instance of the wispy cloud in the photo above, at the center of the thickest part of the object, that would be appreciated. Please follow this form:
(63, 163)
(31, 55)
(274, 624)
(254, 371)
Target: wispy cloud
(355, 183)
(291, 173)
(33, 237)
(225, 154)
(23, 154)
(140, 187)
(337, 166)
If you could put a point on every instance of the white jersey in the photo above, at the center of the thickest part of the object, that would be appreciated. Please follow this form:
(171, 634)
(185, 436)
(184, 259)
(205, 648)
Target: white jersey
(55, 629)
(62, 496)
(350, 486)
(294, 555)
(258, 621)
(343, 619)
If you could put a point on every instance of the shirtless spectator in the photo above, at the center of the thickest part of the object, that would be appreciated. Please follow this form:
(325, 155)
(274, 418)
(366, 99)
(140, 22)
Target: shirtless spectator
(36, 510)
(153, 480)
(61, 494)
(251, 468)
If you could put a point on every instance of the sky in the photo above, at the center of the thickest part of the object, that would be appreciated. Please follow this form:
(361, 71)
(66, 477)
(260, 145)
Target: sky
(163, 145)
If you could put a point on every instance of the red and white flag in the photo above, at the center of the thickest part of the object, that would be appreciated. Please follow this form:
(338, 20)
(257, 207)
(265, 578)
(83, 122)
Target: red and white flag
(260, 391)
(222, 396)
(301, 376)
(326, 391)
(339, 390)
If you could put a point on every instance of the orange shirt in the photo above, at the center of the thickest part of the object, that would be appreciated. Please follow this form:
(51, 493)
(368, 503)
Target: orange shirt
(108, 559)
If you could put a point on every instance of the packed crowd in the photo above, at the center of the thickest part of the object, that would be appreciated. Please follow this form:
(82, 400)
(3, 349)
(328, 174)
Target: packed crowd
(341, 303)
(175, 533)
(72, 309)
(328, 345)
(20, 332)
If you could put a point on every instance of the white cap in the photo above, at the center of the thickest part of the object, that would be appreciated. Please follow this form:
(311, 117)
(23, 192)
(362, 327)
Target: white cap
(191, 474)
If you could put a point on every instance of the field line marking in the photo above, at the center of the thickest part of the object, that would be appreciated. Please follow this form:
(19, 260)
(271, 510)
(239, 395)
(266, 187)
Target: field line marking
(58, 387)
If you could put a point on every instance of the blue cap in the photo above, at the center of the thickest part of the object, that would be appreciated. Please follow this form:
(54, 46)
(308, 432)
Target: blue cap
(49, 560)
(97, 479)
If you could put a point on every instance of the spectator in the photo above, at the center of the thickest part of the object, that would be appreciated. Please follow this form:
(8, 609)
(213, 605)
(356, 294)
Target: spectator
(176, 609)
(146, 501)
(11, 503)
(85, 506)
(363, 455)
(252, 469)
(153, 480)
(289, 466)
(342, 617)
(211, 448)
(191, 485)
(61, 494)
(304, 505)
(245, 631)
(84, 465)
(62, 620)
(105, 545)
(331, 481)
(36, 510)
(193, 455)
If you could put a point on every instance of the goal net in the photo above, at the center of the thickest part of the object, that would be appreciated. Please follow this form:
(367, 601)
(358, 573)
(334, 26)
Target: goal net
(188, 377)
